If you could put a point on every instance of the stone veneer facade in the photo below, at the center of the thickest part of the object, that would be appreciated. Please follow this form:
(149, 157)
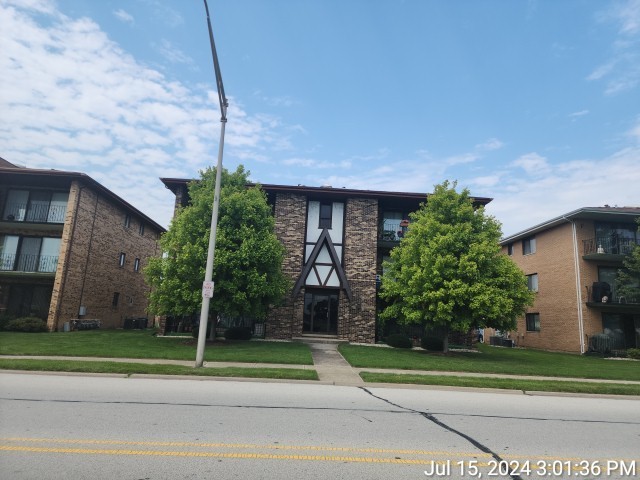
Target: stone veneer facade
(356, 318)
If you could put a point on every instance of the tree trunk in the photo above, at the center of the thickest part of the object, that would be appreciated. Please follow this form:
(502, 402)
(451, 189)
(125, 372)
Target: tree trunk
(445, 341)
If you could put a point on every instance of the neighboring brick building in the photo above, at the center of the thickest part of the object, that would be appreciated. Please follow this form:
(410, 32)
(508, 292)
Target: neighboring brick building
(571, 261)
(335, 241)
(71, 249)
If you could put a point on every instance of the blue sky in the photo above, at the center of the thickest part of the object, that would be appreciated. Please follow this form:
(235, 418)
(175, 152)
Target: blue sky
(533, 103)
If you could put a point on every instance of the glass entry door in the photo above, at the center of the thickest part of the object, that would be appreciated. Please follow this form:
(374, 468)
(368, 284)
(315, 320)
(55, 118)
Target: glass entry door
(320, 312)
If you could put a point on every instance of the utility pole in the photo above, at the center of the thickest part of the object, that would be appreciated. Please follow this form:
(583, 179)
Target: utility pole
(207, 286)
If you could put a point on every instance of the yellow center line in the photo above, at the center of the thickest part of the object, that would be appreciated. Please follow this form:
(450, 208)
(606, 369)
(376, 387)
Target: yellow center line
(242, 446)
(262, 456)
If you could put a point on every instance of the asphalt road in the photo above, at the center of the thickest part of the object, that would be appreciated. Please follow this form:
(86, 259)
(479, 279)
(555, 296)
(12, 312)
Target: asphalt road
(87, 427)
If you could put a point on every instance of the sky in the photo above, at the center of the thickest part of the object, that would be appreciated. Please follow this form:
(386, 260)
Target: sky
(534, 103)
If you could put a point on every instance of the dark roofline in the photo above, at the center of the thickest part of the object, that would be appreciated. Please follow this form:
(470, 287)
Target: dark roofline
(173, 183)
(587, 213)
(83, 177)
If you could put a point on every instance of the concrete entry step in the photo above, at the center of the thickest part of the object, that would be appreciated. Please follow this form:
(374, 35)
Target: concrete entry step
(328, 339)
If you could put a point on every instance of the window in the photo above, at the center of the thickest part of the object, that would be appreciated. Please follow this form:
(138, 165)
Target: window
(510, 249)
(29, 254)
(532, 282)
(529, 245)
(136, 265)
(141, 229)
(37, 206)
(116, 297)
(123, 256)
(533, 322)
(326, 211)
(127, 221)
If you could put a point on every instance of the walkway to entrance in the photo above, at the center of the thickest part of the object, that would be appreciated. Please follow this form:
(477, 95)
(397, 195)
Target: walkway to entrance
(330, 365)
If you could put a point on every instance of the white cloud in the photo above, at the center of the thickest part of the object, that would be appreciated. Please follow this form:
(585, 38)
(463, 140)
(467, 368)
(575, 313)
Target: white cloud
(533, 164)
(73, 99)
(524, 202)
(635, 131)
(622, 69)
(124, 16)
(627, 14)
(490, 145)
(580, 113)
(172, 53)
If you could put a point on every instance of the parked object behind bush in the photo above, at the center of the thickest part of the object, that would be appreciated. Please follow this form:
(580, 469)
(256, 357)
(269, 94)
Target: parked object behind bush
(398, 340)
(237, 333)
(634, 353)
(26, 324)
(600, 343)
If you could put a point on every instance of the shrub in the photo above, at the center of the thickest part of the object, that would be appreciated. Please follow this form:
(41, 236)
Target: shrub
(27, 324)
(432, 343)
(398, 340)
(4, 319)
(634, 353)
(237, 333)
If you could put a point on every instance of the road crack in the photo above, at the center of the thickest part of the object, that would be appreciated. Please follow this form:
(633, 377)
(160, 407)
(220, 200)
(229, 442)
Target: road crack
(441, 424)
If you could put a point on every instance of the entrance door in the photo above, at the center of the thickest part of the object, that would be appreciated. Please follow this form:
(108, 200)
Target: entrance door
(320, 312)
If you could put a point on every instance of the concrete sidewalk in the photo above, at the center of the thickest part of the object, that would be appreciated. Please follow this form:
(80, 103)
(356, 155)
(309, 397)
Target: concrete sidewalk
(331, 366)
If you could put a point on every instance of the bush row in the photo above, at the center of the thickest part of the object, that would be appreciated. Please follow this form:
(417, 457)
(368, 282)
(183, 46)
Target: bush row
(25, 324)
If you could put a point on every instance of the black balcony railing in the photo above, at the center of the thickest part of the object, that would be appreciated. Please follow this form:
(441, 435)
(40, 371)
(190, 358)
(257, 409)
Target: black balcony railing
(392, 230)
(28, 263)
(608, 245)
(40, 212)
(601, 292)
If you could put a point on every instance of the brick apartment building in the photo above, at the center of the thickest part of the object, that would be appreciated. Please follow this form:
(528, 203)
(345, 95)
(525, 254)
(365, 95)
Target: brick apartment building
(572, 261)
(335, 241)
(71, 249)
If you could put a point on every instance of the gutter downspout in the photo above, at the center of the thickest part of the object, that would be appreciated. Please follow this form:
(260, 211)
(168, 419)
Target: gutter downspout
(576, 264)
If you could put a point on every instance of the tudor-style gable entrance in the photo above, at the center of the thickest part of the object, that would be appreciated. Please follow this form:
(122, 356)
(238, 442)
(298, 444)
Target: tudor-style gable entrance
(320, 311)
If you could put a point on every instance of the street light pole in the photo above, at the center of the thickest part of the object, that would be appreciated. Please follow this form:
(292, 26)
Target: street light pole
(207, 286)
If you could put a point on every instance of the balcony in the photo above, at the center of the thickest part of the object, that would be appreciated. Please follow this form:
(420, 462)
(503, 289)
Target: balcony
(601, 297)
(24, 263)
(608, 248)
(391, 232)
(36, 212)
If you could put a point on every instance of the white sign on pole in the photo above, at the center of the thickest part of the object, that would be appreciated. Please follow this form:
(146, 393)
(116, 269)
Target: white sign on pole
(207, 289)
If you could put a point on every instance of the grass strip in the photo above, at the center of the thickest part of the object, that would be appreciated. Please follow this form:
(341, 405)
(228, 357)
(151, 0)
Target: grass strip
(144, 344)
(504, 383)
(155, 369)
(513, 361)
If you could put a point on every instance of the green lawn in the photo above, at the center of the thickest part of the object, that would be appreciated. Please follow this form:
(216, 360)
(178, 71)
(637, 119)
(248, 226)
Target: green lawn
(155, 369)
(143, 344)
(504, 383)
(493, 360)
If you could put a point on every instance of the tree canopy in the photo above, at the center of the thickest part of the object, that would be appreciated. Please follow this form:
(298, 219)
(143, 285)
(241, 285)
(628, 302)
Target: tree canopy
(248, 256)
(448, 270)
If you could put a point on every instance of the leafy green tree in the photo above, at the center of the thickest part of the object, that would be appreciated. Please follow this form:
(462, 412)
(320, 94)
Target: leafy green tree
(448, 273)
(248, 256)
(628, 277)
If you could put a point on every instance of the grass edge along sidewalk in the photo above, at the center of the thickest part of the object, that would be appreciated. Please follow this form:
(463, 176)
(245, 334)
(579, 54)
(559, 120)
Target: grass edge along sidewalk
(493, 360)
(525, 385)
(133, 368)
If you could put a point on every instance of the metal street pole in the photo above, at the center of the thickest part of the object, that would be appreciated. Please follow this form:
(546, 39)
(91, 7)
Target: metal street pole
(207, 286)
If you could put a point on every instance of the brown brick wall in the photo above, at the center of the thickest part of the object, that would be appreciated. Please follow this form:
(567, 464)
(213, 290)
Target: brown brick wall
(357, 319)
(557, 301)
(88, 267)
(290, 212)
